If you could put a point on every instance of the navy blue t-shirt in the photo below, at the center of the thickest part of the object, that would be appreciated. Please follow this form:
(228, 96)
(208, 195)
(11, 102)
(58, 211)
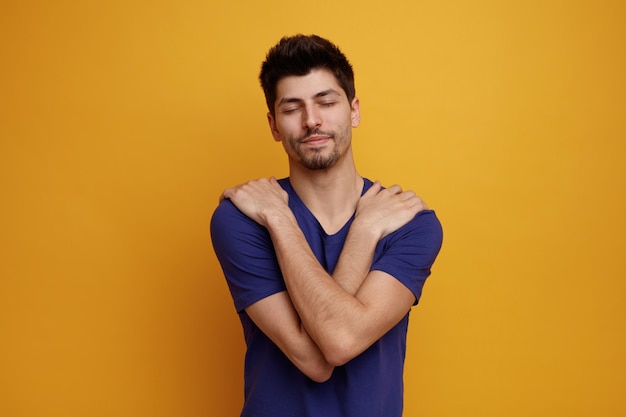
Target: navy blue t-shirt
(370, 385)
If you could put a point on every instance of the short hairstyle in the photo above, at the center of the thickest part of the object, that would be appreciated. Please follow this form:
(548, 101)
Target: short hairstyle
(299, 55)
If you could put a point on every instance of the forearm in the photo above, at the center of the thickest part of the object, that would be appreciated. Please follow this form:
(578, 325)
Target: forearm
(356, 258)
(346, 312)
(326, 308)
(277, 318)
(308, 357)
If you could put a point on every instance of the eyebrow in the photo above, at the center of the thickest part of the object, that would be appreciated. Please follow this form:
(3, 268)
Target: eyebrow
(324, 93)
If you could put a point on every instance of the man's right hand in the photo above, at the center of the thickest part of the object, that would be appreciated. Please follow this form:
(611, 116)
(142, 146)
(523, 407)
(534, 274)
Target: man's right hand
(386, 210)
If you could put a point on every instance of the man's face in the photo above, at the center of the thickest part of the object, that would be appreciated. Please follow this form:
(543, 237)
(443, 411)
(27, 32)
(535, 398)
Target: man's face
(313, 119)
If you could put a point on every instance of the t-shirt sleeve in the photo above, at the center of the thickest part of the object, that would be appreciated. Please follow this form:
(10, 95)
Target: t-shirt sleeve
(245, 252)
(409, 253)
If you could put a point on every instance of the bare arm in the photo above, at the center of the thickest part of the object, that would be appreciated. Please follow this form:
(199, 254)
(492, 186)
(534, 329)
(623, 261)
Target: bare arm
(346, 313)
(278, 320)
(342, 324)
(378, 214)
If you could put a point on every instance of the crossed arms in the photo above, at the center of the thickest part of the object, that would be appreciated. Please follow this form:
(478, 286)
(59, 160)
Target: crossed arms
(323, 321)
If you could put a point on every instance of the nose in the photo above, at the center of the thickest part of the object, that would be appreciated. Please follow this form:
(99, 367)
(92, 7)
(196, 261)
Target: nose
(311, 118)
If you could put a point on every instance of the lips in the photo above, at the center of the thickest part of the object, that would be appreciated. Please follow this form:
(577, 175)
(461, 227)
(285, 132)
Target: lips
(316, 139)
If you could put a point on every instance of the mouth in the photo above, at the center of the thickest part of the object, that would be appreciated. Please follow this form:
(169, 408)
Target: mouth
(316, 139)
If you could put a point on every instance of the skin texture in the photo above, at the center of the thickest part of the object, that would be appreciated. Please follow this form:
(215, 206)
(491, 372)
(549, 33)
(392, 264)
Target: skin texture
(323, 321)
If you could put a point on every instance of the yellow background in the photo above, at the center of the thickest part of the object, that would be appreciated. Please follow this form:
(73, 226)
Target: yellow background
(122, 121)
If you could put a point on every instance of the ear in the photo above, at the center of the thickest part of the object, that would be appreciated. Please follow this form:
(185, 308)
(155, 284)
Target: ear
(356, 112)
(272, 122)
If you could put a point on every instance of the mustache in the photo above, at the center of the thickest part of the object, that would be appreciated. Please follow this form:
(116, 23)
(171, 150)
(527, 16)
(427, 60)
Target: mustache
(312, 132)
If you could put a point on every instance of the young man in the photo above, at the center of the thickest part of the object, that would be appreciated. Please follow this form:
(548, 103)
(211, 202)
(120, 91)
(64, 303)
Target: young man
(325, 265)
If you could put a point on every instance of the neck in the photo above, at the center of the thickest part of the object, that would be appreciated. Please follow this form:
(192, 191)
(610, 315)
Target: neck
(330, 194)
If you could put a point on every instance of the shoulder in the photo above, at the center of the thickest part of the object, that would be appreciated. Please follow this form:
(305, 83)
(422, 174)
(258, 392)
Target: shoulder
(227, 214)
(229, 227)
(423, 233)
(425, 222)
(409, 253)
(425, 226)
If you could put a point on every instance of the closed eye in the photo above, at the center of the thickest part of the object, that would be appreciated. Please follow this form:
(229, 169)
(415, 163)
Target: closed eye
(288, 110)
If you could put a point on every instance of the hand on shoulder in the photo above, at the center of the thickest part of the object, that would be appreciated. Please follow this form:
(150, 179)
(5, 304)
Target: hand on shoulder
(385, 210)
(258, 199)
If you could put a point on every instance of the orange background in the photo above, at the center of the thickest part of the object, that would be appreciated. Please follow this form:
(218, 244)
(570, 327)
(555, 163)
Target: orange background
(121, 122)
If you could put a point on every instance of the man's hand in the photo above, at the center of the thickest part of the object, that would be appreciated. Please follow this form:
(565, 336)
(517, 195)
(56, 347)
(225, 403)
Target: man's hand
(258, 199)
(386, 210)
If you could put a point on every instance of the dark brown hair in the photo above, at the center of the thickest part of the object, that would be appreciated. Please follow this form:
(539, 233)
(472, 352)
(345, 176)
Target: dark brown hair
(299, 55)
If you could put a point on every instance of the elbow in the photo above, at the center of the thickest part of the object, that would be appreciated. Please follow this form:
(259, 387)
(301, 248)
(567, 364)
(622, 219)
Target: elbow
(339, 358)
(316, 368)
(320, 374)
(341, 351)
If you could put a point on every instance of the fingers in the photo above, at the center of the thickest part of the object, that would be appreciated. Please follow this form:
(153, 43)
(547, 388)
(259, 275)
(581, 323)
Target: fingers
(259, 189)
(394, 189)
(409, 197)
(373, 190)
(420, 204)
(417, 202)
(230, 192)
(226, 194)
(275, 184)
